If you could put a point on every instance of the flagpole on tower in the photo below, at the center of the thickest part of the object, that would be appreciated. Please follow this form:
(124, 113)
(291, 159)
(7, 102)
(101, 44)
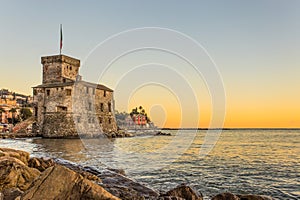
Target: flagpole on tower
(61, 40)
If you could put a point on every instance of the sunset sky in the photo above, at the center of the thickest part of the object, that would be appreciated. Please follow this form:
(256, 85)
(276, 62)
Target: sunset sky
(254, 45)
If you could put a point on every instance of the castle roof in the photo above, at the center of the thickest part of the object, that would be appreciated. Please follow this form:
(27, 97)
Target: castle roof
(71, 83)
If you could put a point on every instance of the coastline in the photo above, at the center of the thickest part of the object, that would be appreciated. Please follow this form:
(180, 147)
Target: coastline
(112, 183)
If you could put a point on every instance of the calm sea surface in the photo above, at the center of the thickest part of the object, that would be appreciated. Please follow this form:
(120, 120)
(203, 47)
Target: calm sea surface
(243, 161)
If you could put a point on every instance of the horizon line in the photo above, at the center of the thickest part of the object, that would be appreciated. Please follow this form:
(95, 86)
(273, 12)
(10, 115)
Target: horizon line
(245, 128)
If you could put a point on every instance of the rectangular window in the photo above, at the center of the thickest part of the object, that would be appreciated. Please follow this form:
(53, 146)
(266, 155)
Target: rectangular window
(87, 90)
(61, 109)
(78, 119)
(100, 120)
(109, 120)
(90, 106)
(36, 111)
(68, 92)
(101, 107)
(109, 107)
(48, 92)
(104, 94)
(93, 90)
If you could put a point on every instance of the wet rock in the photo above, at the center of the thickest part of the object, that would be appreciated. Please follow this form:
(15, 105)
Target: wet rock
(163, 134)
(114, 182)
(170, 198)
(20, 155)
(230, 196)
(59, 182)
(124, 187)
(225, 196)
(87, 173)
(11, 193)
(119, 171)
(254, 197)
(41, 163)
(183, 191)
(14, 173)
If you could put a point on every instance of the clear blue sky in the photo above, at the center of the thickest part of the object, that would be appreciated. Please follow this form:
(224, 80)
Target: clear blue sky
(255, 43)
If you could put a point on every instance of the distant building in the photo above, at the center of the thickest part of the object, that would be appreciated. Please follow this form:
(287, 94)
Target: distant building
(64, 104)
(139, 119)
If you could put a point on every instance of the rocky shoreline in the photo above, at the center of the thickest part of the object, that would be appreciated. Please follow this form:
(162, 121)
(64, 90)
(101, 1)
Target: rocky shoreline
(24, 177)
(116, 134)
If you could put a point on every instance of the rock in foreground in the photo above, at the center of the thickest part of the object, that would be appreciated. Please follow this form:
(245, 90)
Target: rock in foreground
(230, 196)
(183, 192)
(15, 174)
(59, 182)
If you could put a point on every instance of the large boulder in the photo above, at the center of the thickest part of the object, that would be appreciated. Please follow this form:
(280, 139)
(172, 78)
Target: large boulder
(114, 182)
(20, 155)
(15, 174)
(11, 194)
(124, 187)
(41, 163)
(183, 191)
(254, 197)
(225, 196)
(88, 174)
(59, 182)
(230, 196)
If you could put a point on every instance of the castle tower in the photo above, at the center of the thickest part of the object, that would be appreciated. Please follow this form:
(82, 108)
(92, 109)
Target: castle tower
(59, 69)
(64, 104)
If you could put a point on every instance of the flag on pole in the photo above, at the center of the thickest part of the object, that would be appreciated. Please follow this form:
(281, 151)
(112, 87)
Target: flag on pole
(61, 39)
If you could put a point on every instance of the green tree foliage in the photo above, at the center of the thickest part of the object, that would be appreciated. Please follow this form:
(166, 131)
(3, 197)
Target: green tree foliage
(25, 113)
(140, 110)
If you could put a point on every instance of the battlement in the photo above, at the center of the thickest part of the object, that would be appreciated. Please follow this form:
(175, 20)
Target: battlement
(60, 59)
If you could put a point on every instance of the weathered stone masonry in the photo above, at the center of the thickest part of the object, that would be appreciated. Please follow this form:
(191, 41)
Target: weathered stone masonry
(66, 106)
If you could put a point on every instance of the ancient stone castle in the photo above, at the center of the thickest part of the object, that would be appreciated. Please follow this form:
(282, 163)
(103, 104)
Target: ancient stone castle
(67, 106)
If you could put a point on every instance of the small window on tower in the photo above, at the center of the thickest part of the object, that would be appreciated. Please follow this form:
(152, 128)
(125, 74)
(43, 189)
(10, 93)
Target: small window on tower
(64, 80)
(68, 91)
(100, 120)
(70, 67)
(48, 92)
(109, 120)
(109, 107)
(104, 94)
(101, 107)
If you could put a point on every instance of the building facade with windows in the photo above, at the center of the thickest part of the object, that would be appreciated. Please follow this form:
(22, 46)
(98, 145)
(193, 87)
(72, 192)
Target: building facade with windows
(67, 106)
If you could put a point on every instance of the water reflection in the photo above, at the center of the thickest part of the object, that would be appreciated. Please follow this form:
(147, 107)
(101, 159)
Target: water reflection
(243, 161)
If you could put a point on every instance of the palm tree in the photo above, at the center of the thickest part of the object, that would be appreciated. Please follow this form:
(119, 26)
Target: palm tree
(141, 108)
